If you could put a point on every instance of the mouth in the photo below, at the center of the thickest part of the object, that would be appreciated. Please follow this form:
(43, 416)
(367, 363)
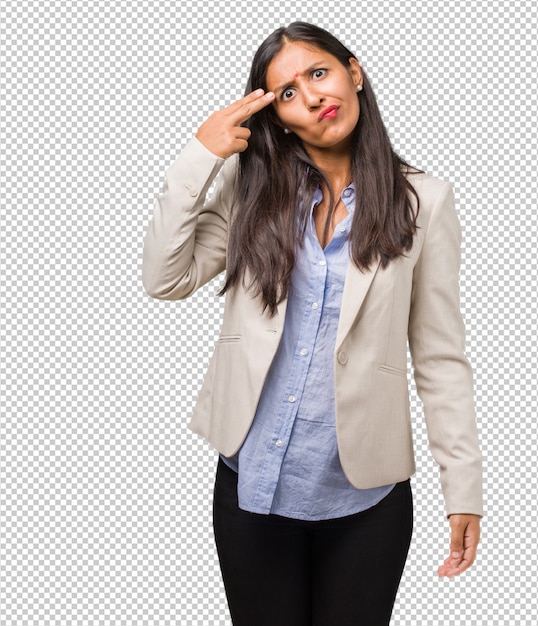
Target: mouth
(329, 113)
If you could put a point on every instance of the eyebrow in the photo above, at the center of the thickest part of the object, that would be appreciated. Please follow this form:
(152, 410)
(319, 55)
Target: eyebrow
(308, 70)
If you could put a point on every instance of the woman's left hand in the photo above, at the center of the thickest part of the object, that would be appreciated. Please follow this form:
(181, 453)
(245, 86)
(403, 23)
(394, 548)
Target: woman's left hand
(464, 537)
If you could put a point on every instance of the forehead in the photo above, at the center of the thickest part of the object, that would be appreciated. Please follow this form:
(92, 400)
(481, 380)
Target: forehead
(294, 57)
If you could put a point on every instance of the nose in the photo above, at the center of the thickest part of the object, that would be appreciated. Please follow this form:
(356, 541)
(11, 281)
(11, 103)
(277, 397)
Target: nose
(312, 98)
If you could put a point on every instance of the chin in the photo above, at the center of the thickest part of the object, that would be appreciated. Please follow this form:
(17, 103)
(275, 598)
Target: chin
(336, 142)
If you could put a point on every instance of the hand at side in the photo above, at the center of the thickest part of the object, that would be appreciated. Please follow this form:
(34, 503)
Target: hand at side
(464, 538)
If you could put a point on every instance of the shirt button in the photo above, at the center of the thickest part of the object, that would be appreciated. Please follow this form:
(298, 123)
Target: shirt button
(303, 352)
(342, 229)
(278, 443)
(315, 305)
(291, 398)
(323, 262)
(347, 193)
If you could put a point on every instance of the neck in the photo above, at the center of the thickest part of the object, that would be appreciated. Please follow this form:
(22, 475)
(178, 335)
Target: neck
(336, 167)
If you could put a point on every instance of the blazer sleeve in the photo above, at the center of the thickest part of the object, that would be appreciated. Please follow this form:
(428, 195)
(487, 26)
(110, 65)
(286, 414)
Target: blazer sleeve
(442, 373)
(185, 245)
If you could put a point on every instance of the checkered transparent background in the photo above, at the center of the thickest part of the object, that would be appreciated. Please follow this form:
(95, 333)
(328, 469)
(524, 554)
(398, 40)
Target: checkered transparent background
(105, 497)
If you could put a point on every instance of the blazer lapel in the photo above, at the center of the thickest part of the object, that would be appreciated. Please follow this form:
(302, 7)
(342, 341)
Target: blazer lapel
(281, 308)
(356, 287)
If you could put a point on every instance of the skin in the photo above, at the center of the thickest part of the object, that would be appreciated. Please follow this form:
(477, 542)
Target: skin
(465, 535)
(306, 80)
(303, 81)
(222, 134)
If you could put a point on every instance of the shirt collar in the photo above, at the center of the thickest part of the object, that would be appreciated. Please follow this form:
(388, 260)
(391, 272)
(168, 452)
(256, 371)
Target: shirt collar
(348, 198)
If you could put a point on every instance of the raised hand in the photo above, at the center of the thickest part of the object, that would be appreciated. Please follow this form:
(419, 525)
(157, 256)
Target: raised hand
(222, 134)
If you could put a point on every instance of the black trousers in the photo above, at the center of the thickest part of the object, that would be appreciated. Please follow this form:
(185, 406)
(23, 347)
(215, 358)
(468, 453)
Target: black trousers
(285, 572)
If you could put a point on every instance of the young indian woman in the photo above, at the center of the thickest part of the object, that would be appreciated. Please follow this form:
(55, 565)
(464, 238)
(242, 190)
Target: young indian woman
(337, 255)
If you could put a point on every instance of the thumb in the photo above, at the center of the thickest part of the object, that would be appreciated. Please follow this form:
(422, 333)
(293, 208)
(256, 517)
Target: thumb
(456, 539)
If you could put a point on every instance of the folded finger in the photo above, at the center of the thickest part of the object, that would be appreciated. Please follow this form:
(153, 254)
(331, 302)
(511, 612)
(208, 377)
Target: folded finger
(447, 570)
(242, 133)
(452, 566)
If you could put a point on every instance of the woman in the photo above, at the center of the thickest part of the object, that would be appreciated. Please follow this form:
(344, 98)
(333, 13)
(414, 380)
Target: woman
(337, 253)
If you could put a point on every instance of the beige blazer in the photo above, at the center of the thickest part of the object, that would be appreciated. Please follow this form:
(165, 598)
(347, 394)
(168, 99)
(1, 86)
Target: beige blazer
(415, 299)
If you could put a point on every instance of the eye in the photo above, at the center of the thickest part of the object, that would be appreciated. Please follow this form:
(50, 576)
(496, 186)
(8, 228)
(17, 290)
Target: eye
(319, 73)
(287, 93)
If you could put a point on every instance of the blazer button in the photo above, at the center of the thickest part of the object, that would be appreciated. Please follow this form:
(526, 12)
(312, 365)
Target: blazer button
(192, 191)
(342, 357)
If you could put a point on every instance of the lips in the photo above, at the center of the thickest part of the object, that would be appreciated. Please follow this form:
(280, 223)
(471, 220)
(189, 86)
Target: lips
(329, 113)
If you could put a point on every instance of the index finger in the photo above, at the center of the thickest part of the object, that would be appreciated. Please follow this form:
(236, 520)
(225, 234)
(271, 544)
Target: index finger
(245, 107)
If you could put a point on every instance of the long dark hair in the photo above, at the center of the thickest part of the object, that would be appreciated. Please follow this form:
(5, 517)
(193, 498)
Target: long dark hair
(277, 179)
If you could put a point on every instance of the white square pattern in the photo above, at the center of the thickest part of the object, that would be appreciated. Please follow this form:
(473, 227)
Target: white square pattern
(105, 496)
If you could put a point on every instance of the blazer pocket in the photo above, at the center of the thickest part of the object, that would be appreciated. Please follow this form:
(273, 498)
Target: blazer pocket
(229, 338)
(388, 369)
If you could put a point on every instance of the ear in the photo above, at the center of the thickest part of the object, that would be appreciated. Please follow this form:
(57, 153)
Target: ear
(355, 71)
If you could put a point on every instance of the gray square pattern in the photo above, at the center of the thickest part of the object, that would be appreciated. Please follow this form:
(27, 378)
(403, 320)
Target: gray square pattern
(105, 496)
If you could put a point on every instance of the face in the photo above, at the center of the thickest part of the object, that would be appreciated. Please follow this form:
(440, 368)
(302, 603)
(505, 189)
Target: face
(316, 96)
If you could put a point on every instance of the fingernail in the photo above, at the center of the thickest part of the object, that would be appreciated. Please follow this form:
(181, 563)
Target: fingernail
(258, 92)
(269, 95)
(456, 555)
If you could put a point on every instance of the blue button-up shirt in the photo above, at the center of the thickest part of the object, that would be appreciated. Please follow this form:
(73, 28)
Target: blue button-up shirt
(289, 465)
